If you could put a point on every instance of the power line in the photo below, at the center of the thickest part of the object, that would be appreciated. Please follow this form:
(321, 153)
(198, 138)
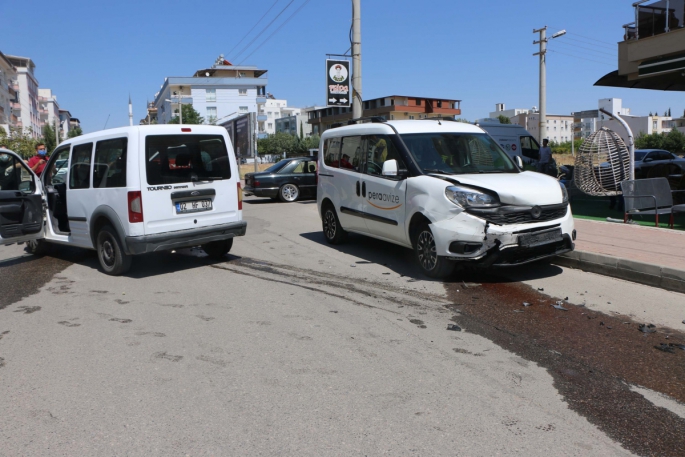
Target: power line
(276, 31)
(579, 57)
(593, 39)
(591, 44)
(253, 27)
(575, 46)
(263, 30)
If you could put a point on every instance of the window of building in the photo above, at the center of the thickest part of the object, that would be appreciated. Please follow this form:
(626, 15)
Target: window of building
(382, 102)
(242, 91)
(211, 112)
(270, 125)
(418, 102)
(243, 109)
(411, 116)
(241, 74)
(439, 103)
(210, 95)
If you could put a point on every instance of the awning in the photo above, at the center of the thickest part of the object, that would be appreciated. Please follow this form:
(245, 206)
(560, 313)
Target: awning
(674, 81)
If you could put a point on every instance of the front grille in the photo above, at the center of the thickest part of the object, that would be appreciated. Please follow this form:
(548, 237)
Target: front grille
(520, 215)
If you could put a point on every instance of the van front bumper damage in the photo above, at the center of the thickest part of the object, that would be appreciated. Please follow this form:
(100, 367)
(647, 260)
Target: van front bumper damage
(471, 240)
(135, 245)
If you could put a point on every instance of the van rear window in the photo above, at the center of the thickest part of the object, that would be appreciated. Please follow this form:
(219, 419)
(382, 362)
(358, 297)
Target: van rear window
(173, 159)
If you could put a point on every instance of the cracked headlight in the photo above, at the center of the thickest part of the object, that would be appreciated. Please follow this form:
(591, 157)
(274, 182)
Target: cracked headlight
(564, 193)
(470, 198)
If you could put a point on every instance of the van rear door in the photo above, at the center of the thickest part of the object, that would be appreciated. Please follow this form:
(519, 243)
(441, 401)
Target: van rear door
(189, 180)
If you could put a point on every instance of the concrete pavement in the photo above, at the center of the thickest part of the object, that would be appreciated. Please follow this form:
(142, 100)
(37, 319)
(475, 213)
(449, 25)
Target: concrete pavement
(647, 255)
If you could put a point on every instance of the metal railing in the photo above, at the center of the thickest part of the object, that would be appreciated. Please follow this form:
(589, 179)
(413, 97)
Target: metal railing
(655, 19)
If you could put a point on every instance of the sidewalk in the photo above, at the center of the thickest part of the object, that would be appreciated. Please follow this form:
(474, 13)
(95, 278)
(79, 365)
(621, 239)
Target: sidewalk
(647, 255)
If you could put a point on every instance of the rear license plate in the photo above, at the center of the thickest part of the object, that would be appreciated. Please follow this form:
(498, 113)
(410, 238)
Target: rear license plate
(193, 206)
(530, 240)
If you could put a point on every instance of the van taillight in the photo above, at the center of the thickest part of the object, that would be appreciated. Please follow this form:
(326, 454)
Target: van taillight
(135, 207)
(255, 183)
(240, 198)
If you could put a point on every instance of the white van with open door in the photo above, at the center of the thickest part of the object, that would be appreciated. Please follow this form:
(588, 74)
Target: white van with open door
(129, 191)
(514, 140)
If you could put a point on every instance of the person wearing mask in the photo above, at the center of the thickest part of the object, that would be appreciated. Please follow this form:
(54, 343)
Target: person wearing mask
(545, 157)
(37, 163)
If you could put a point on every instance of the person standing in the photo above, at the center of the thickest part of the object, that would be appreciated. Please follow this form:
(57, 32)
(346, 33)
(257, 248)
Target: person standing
(37, 163)
(545, 157)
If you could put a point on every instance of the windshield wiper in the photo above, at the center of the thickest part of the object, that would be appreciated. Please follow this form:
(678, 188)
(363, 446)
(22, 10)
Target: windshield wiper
(206, 179)
(435, 170)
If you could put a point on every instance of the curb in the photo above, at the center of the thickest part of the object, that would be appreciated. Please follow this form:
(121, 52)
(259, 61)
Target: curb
(640, 272)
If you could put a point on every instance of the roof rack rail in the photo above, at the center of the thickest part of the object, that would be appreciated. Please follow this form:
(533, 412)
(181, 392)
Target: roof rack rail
(373, 119)
(451, 119)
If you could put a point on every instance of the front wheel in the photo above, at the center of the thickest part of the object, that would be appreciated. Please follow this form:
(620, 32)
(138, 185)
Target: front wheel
(332, 229)
(218, 249)
(113, 260)
(431, 263)
(288, 193)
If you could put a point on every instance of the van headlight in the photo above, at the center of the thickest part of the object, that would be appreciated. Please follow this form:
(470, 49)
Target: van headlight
(470, 198)
(564, 192)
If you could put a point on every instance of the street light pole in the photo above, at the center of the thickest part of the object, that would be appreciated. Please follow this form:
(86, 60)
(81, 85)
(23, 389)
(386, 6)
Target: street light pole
(356, 60)
(543, 76)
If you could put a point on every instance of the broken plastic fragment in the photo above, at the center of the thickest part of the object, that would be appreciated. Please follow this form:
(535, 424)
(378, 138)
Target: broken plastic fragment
(559, 307)
(453, 327)
(646, 328)
(665, 348)
(541, 289)
(525, 303)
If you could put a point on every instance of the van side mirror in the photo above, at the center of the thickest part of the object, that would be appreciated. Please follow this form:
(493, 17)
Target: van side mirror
(519, 161)
(390, 168)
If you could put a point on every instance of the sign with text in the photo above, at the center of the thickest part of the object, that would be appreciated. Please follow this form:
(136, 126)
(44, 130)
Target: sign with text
(337, 82)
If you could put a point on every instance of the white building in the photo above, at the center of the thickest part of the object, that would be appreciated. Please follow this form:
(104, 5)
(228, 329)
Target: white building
(218, 93)
(8, 74)
(501, 111)
(275, 109)
(294, 123)
(559, 126)
(48, 108)
(640, 125)
(26, 109)
(589, 121)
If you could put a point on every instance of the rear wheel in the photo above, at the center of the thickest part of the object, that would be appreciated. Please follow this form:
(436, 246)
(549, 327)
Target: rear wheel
(218, 249)
(113, 260)
(332, 229)
(289, 193)
(37, 247)
(431, 263)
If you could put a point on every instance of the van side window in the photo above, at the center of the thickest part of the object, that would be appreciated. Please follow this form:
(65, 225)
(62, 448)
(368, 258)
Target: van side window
(351, 153)
(79, 175)
(380, 148)
(331, 152)
(109, 169)
(58, 168)
(530, 148)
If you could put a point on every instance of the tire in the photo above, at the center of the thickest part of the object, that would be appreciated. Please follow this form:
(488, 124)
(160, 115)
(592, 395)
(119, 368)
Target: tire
(432, 265)
(288, 193)
(332, 230)
(218, 249)
(113, 260)
(37, 247)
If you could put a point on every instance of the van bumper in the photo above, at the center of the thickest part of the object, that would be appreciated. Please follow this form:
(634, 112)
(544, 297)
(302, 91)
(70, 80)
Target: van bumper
(183, 238)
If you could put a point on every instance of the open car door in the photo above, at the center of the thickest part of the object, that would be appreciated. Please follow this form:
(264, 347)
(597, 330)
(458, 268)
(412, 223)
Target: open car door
(21, 201)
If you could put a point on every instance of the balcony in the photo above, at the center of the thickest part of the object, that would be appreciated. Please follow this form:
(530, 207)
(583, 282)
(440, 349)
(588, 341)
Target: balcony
(261, 100)
(262, 117)
(656, 18)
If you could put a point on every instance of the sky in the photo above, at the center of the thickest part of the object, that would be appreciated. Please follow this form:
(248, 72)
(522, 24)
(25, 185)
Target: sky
(94, 54)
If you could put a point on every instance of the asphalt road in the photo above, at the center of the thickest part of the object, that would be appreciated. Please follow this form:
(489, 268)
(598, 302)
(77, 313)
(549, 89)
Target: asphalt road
(293, 347)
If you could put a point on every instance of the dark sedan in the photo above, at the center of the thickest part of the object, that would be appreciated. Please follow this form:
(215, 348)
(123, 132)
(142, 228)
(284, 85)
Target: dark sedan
(287, 180)
(657, 162)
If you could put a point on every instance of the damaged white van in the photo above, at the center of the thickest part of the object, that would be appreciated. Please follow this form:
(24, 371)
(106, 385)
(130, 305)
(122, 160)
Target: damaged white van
(127, 191)
(445, 189)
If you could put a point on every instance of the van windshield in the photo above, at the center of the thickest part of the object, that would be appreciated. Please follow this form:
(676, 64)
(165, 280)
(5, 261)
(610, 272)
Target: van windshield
(458, 153)
(173, 159)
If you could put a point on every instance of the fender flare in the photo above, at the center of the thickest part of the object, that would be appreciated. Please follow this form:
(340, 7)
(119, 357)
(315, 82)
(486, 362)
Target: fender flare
(107, 213)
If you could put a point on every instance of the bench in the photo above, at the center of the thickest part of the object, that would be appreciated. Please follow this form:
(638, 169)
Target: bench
(650, 197)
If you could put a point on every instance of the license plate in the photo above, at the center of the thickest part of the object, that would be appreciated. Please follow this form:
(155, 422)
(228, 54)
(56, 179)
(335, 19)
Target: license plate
(530, 240)
(193, 206)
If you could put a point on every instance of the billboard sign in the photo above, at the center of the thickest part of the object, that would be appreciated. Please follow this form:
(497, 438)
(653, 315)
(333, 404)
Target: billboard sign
(337, 82)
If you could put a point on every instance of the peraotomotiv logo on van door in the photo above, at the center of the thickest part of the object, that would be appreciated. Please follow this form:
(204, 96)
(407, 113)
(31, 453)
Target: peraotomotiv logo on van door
(385, 198)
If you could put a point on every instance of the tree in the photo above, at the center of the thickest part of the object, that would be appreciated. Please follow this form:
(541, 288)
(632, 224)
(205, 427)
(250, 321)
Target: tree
(650, 114)
(669, 112)
(652, 141)
(49, 138)
(301, 130)
(190, 116)
(503, 119)
(464, 120)
(73, 133)
(674, 141)
(19, 141)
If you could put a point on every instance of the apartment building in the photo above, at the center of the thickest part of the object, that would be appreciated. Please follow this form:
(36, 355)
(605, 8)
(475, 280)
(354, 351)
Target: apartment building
(7, 93)
(559, 126)
(48, 109)
(218, 93)
(500, 110)
(26, 105)
(393, 107)
(294, 123)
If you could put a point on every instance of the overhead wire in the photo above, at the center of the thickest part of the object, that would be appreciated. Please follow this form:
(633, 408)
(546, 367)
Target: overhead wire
(262, 31)
(253, 27)
(579, 57)
(604, 46)
(276, 31)
(575, 46)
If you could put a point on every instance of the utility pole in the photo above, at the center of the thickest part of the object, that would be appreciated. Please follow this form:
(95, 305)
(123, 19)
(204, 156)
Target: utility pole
(543, 77)
(357, 108)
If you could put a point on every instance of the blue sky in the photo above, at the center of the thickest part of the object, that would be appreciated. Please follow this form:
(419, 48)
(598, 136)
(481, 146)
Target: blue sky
(92, 54)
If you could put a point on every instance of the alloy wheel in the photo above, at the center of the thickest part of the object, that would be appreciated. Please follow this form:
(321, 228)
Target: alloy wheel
(426, 251)
(289, 192)
(329, 225)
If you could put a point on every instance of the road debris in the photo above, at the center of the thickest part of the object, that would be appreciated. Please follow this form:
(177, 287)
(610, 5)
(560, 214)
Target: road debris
(470, 285)
(647, 328)
(665, 348)
(453, 327)
(518, 311)
(525, 303)
(541, 289)
(558, 306)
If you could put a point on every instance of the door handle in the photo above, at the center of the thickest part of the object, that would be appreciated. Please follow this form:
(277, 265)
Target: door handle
(364, 189)
(357, 188)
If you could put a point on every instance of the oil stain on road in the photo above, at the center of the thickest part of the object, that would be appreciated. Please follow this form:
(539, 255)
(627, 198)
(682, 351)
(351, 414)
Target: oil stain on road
(594, 359)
